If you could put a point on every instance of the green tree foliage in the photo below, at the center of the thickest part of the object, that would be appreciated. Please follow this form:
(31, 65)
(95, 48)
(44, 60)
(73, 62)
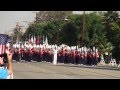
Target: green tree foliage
(112, 26)
(96, 31)
(35, 29)
(110, 17)
(115, 30)
(101, 29)
(49, 24)
(69, 34)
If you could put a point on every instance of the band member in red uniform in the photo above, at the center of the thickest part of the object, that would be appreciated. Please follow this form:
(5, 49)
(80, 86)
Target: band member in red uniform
(96, 56)
(16, 55)
(73, 56)
(32, 54)
(66, 56)
(47, 55)
(41, 54)
(85, 57)
(77, 57)
(51, 55)
(44, 55)
(63, 55)
(19, 54)
(22, 54)
(58, 56)
(26, 55)
(37, 55)
(82, 57)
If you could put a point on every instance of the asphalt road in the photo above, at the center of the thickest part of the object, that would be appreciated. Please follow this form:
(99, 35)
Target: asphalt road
(63, 71)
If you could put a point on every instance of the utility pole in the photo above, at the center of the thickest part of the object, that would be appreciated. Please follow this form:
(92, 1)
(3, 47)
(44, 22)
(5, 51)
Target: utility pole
(83, 29)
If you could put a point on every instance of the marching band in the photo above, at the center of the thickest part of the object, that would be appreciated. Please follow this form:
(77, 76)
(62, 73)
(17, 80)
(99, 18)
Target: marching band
(56, 54)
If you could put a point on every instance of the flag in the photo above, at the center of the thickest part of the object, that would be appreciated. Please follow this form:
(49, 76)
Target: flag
(46, 41)
(3, 41)
(34, 40)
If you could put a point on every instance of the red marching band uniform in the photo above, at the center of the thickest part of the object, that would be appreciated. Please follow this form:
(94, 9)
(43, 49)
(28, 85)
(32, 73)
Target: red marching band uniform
(85, 55)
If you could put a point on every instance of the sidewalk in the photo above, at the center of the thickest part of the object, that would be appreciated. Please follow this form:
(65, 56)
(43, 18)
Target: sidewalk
(106, 66)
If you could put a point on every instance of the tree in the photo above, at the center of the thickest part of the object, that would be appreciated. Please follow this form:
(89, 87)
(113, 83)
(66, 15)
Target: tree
(110, 17)
(115, 30)
(112, 25)
(69, 34)
(49, 24)
(45, 16)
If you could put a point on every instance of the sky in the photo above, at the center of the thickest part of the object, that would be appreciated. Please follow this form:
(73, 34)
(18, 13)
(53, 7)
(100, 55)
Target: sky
(8, 19)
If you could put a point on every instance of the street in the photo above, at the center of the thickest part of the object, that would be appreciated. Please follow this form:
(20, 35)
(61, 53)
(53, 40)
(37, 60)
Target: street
(45, 70)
